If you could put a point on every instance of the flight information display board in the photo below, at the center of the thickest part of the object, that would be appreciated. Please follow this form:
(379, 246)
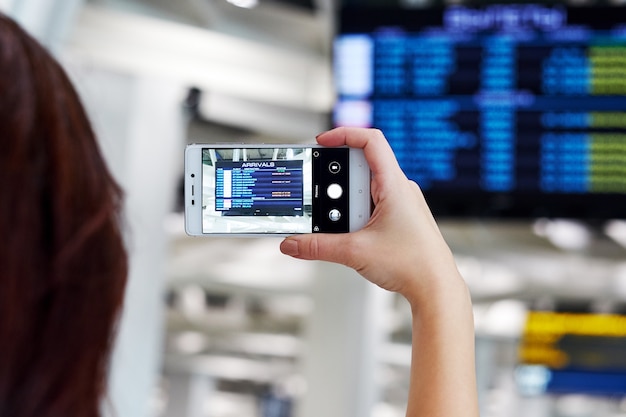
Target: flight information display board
(515, 110)
(259, 188)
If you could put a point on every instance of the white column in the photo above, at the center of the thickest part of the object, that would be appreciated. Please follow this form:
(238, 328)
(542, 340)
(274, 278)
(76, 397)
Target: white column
(343, 344)
(155, 153)
(140, 125)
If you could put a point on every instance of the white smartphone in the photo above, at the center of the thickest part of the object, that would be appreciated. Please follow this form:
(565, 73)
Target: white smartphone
(270, 189)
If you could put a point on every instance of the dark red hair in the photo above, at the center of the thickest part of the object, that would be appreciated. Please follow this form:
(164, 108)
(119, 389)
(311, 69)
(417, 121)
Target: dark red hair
(63, 263)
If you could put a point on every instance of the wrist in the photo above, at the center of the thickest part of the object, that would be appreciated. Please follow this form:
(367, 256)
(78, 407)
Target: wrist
(436, 292)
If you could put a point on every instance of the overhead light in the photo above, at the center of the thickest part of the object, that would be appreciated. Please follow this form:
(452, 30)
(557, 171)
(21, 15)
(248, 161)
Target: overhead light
(190, 342)
(616, 230)
(415, 3)
(246, 4)
(564, 234)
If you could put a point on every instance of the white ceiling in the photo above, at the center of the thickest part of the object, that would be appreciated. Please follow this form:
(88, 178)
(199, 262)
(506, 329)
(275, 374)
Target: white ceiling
(281, 23)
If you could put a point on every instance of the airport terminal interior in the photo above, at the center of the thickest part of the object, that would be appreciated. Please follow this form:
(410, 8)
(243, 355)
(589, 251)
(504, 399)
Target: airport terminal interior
(520, 149)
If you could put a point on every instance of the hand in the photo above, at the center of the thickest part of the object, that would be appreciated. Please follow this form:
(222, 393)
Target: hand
(401, 248)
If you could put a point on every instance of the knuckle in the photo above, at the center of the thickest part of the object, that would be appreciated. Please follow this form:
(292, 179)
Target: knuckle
(314, 247)
(377, 132)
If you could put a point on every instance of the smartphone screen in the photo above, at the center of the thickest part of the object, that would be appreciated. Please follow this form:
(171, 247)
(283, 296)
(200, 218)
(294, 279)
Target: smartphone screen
(260, 190)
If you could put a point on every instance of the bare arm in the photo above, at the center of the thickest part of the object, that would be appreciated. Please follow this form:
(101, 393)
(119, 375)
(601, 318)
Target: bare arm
(443, 381)
(401, 249)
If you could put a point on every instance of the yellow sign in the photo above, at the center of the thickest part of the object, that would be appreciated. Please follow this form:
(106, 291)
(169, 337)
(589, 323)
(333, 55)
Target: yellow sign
(544, 330)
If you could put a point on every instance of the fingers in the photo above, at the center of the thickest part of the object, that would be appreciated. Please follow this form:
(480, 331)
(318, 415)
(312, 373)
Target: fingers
(378, 153)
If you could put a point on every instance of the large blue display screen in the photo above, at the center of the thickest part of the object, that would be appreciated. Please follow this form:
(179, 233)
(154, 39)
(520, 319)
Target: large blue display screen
(511, 109)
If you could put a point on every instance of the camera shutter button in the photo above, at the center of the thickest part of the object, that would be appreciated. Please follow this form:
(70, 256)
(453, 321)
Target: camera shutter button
(334, 191)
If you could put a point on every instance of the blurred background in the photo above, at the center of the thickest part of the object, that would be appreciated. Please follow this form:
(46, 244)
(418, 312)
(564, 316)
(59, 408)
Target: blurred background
(230, 327)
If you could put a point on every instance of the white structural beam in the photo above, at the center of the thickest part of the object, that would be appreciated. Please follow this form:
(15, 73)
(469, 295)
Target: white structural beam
(279, 122)
(197, 57)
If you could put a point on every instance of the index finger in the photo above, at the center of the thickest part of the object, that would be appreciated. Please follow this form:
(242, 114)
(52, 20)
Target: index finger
(378, 153)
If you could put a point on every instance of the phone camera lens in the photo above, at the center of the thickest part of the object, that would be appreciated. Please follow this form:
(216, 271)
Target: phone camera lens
(193, 175)
(334, 215)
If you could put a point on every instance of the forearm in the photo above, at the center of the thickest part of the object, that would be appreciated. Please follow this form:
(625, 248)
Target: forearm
(443, 378)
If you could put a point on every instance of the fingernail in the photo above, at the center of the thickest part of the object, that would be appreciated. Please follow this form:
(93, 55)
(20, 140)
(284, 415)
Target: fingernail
(289, 247)
(320, 134)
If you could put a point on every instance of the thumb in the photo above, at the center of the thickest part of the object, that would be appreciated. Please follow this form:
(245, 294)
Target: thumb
(320, 247)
